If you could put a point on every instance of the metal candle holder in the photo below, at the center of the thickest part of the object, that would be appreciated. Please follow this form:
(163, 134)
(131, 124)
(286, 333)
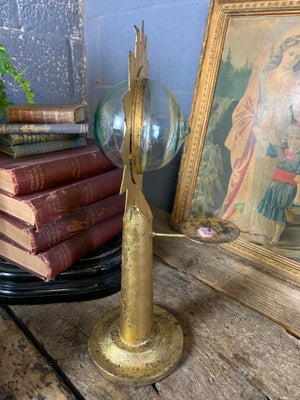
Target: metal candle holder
(137, 343)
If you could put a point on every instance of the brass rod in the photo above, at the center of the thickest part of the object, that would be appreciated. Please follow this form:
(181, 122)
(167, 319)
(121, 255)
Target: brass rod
(136, 319)
(168, 234)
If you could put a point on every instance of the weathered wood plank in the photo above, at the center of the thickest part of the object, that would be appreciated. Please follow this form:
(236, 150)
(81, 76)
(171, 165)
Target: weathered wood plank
(24, 373)
(230, 352)
(230, 275)
(63, 330)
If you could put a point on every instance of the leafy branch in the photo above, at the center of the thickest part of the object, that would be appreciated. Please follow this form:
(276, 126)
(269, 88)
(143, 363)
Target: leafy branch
(6, 67)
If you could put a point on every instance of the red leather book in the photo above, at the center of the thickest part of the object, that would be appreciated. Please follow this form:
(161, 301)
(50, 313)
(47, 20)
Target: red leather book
(51, 262)
(69, 225)
(46, 113)
(49, 205)
(38, 172)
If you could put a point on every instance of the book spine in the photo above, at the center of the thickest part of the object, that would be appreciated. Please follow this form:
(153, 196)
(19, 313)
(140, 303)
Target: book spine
(34, 178)
(38, 116)
(24, 150)
(43, 128)
(62, 256)
(52, 206)
(75, 222)
(29, 138)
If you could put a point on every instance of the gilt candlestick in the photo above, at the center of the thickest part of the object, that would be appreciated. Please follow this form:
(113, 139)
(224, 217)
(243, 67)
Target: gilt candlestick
(140, 125)
(138, 343)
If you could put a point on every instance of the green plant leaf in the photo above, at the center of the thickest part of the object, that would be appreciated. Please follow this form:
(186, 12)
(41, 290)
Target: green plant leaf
(6, 67)
(4, 60)
(4, 102)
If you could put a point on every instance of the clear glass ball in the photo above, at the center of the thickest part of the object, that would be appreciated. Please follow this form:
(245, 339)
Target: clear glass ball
(164, 127)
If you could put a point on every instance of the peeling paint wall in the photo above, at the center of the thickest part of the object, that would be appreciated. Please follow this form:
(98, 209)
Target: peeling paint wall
(46, 36)
(174, 30)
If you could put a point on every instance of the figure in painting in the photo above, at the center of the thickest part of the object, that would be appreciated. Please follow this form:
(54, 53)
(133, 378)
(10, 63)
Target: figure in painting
(270, 104)
(282, 190)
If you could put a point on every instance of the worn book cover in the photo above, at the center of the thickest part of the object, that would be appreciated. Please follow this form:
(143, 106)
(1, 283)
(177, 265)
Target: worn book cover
(34, 129)
(56, 259)
(46, 113)
(33, 173)
(41, 208)
(28, 138)
(24, 150)
(69, 225)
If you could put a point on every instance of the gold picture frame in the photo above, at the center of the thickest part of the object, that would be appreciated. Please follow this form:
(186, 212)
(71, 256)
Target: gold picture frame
(218, 172)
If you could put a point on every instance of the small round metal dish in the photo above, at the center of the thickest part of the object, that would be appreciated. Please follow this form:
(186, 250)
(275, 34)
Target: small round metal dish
(209, 230)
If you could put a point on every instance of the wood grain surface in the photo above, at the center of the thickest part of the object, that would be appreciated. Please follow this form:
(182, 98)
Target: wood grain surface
(24, 373)
(271, 297)
(237, 324)
(230, 351)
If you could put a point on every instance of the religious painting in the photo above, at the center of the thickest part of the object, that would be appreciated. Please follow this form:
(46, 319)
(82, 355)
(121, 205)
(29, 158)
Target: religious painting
(241, 162)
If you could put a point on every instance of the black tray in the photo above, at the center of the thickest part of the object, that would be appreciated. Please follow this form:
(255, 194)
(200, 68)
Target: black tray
(96, 275)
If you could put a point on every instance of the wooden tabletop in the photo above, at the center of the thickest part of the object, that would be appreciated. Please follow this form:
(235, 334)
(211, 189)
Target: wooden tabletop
(232, 350)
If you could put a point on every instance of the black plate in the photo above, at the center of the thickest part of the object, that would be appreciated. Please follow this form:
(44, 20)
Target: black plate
(96, 275)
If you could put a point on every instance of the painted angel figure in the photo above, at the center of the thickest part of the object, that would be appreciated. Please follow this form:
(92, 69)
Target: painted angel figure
(269, 106)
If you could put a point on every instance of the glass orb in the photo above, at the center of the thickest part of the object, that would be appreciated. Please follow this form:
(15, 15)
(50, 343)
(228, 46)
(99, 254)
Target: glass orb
(164, 127)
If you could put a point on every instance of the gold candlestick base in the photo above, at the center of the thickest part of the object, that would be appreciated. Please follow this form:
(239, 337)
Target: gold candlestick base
(136, 365)
(137, 343)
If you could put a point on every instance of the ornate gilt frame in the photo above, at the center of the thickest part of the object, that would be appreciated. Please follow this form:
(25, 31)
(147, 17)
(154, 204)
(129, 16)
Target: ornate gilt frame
(220, 12)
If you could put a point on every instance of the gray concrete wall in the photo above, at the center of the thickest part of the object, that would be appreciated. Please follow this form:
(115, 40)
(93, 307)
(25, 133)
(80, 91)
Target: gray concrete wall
(46, 36)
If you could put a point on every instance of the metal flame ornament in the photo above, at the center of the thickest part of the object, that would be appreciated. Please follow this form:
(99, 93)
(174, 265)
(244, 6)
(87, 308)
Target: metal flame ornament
(137, 343)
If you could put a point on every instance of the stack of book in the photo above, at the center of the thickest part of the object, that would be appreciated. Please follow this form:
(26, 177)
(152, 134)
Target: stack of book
(42, 128)
(57, 207)
(98, 274)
